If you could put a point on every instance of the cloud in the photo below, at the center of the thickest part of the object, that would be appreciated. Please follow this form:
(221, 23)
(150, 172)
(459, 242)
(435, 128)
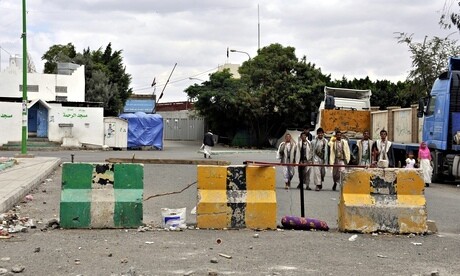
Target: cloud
(343, 38)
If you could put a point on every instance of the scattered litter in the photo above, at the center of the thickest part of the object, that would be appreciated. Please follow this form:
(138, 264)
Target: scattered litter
(5, 259)
(193, 212)
(149, 242)
(333, 198)
(37, 249)
(375, 234)
(77, 261)
(417, 243)
(218, 241)
(440, 236)
(3, 271)
(225, 255)
(382, 256)
(124, 261)
(173, 218)
(255, 236)
(29, 197)
(250, 247)
(411, 235)
(353, 238)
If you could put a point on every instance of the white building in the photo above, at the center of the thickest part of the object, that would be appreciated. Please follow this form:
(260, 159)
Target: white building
(56, 106)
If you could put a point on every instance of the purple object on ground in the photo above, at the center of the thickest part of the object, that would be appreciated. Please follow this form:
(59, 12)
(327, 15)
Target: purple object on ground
(300, 223)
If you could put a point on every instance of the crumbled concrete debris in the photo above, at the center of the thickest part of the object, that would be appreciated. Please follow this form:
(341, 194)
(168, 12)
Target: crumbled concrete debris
(3, 271)
(131, 272)
(214, 260)
(18, 268)
(37, 249)
(51, 224)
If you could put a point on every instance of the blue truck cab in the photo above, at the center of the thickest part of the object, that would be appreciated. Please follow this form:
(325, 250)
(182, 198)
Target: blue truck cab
(441, 112)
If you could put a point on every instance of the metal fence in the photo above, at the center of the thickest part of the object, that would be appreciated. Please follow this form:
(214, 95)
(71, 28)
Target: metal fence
(189, 129)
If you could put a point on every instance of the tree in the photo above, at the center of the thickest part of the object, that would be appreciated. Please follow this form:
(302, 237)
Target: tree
(450, 18)
(58, 53)
(106, 80)
(384, 93)
(429, 60)
(217, 101)
(276, 91)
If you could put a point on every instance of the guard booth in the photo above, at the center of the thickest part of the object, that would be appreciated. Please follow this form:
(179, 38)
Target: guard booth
(116, 132)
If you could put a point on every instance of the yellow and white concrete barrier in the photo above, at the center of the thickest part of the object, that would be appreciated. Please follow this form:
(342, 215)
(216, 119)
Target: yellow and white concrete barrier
(236, 197)
(388, 200)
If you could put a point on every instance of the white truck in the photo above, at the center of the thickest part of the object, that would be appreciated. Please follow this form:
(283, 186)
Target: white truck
(345, 109)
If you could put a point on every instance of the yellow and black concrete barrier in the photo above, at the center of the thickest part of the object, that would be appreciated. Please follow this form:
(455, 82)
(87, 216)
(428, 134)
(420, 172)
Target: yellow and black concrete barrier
(236, 197)
(101, 195)
(387, 200)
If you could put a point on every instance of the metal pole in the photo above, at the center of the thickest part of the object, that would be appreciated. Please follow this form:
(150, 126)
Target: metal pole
(24, 80)
(302, 201)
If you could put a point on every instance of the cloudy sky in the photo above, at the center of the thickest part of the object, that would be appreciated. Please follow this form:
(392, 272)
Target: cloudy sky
(343, 38)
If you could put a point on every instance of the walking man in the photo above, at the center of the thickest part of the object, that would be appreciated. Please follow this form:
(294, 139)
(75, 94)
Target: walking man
(208, 142)
(319, 156)
(340, 155)
(286, 153)
(304, 148)
(364, 150)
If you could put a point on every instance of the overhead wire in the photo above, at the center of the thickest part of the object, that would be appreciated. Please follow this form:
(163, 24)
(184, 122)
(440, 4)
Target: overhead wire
(176, 80)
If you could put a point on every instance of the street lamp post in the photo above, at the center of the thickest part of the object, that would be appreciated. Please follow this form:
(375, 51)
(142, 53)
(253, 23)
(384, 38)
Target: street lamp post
(237, 51)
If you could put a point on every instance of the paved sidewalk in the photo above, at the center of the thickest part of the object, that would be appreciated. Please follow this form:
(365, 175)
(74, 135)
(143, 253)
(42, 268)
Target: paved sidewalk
(17, 181)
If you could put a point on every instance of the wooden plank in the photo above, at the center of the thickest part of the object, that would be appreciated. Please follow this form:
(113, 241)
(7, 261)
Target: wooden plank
(168, 161)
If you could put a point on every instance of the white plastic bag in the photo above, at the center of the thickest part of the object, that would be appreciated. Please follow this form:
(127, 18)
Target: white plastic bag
(173, 218)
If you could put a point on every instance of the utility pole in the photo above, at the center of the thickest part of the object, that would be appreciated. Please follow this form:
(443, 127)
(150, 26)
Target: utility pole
(24, 80)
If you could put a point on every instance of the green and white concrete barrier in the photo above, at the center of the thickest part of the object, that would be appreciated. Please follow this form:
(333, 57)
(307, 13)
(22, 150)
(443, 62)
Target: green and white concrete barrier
(101, 195)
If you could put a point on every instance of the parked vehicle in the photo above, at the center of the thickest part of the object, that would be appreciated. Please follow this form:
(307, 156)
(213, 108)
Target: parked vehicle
(344, 109)
(441, 122)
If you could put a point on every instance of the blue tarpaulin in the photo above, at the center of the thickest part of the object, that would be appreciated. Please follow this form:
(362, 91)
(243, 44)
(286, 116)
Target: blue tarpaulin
(144, 129)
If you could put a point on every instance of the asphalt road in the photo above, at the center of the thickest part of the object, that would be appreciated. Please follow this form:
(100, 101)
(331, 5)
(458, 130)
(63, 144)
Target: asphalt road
(190, 252)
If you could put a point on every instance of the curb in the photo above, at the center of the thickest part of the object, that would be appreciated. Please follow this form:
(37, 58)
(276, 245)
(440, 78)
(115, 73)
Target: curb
(22, 189)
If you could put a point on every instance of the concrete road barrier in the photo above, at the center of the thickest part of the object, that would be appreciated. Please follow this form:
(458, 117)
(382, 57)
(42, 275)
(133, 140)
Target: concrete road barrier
(101, 195)
(388, 200)
(236, 197)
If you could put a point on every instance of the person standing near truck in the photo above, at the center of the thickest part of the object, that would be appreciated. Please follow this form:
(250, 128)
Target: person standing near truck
(424, 158)
(382, 151)
(339, 155)
(364, 150)
(319, 155)
(286, 153)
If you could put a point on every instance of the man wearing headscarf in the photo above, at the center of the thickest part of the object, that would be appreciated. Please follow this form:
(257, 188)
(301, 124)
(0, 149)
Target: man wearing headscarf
(382, 151)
